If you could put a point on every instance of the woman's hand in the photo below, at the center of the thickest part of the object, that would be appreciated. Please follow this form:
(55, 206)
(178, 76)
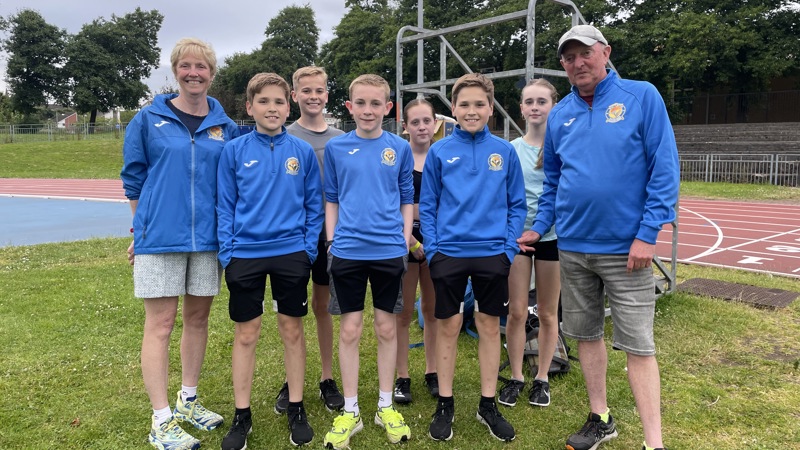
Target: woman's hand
(130, 253)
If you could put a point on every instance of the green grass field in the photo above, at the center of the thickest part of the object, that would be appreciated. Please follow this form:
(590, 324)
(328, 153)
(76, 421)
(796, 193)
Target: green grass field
(70, 330)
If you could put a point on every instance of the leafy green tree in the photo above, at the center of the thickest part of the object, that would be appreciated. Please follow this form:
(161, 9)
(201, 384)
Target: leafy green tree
(363, 43)
(107, 61)
(36, 54)
(707, 45)
(291, 42)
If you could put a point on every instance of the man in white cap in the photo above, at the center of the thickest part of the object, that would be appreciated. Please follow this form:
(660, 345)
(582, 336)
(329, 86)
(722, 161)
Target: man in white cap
(612, 178)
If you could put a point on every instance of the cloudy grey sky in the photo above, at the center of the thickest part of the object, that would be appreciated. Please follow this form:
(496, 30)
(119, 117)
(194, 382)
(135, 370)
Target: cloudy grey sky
(230, 26)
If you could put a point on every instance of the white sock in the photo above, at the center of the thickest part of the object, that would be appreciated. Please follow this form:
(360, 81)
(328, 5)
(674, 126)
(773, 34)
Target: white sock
(384, 399)
(545, 379)
(162, 415)
(188, 392)
(351, 405)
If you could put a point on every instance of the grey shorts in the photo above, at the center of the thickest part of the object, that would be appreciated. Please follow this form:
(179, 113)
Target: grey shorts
(586, 279)
(176, 274)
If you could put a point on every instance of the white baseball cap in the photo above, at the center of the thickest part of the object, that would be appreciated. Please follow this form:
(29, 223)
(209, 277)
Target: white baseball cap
(585, 34)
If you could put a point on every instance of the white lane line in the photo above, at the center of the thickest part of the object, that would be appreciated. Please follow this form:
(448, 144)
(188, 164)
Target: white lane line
(720, 236)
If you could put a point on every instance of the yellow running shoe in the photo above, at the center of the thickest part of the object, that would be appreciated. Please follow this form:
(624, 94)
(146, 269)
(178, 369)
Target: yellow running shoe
(393, 422)
(344, 427)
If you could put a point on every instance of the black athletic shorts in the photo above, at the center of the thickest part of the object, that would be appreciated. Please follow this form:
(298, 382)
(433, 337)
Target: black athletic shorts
(348, 284)
(319, 270)
(489, 283)
(545, 251)
(247, 279)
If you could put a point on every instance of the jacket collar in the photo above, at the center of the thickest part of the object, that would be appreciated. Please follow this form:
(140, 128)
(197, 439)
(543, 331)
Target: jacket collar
(467, 136)
(604, 84)
(277, 139)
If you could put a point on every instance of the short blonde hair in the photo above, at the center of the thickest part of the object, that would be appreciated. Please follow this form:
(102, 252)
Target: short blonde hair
(194, 47)
(370, 80)
(309, 71)
(261, 80)
(473, 80)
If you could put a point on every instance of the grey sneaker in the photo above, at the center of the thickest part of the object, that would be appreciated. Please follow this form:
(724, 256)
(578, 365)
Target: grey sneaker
(593, 433)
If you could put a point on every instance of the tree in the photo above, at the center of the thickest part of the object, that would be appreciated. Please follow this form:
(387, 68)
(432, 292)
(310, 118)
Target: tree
(363, 43)
(291, 42)
(705, 45)
(107, 61)
(34, 71)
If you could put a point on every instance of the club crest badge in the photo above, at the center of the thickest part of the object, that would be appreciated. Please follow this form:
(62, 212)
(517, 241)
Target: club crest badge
(615, 113)
(216, 134)
(292, 166)
(388, 157)
(495, 162)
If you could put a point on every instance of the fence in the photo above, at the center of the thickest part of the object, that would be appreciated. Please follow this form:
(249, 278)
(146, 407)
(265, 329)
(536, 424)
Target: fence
(49, 132)
(780, 170)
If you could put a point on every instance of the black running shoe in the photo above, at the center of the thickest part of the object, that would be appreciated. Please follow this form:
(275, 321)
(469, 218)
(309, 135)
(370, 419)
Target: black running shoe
(402, 391)
(282, 400)
(236, 439)
(441, 428)
(432, 383)
(540, 393)
(300, 432)
(498, 426)
(330, 395)
(593, 433)
(658, 448)
(510, 391)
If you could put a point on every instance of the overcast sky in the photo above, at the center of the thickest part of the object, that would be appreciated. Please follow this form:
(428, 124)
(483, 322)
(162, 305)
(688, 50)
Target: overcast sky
(230, 26)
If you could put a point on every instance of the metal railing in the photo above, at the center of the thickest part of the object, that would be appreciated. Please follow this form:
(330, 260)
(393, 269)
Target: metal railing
(50, 132)
(780, 170)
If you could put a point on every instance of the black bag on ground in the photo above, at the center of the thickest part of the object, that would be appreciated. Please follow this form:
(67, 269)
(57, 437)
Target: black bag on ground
(561, 358)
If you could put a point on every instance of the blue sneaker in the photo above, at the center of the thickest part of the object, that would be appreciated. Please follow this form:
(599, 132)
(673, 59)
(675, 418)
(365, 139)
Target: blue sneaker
(190, 410)
(170, 436)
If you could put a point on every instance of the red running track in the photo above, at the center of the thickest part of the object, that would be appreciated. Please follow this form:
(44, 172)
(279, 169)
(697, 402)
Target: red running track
(762, 237)
(96, 190)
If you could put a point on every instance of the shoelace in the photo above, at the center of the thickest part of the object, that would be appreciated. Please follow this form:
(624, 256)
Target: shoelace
(443, 412)
(339, 422)
(393, 418)
(491, 415)
(239, 425)
(590, 428)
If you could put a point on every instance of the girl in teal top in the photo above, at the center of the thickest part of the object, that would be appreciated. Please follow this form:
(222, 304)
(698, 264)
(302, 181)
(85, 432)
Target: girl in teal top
(538, 97)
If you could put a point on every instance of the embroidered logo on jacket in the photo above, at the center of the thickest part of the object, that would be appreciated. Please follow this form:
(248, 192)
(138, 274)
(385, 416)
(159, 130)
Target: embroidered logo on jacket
(388, 156)
(453, 159)
(250, 164)
(292, 166)
(495, 162)
(161, 124)
(615, 113)
(216, 134)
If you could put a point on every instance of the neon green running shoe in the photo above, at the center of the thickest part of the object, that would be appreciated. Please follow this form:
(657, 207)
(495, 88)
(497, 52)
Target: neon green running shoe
(190, 410)
(344, 427)
(392, 421)
(170, 436)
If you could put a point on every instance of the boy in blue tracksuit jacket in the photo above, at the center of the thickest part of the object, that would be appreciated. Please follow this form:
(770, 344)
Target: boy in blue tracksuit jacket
(269, 203)
(472, 209)
(368, 219)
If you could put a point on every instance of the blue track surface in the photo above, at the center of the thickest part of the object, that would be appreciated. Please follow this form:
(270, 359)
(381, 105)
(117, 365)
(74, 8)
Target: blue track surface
(26, 221)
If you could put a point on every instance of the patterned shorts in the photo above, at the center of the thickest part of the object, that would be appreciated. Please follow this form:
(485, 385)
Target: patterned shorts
(176, 274)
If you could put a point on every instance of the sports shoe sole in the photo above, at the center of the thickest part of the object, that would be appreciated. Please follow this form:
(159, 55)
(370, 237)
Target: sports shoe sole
(506, 403)
(480, 419)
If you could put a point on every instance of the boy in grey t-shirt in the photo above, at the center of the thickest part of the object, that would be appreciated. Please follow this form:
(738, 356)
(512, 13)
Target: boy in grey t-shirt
(310, 91)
